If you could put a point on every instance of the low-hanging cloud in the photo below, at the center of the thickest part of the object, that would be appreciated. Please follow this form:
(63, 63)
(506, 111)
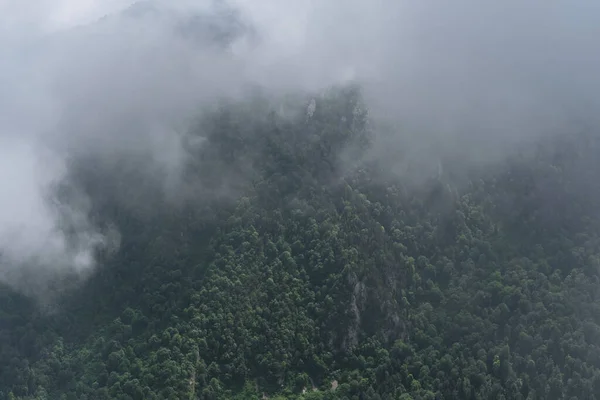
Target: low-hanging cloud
(465, 79)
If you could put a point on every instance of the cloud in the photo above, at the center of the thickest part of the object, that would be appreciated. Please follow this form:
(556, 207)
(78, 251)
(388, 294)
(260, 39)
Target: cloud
(465, 79)
(24, 18)
(447, 67)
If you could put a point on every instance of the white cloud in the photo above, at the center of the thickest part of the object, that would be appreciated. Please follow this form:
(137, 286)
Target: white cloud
(24, 17)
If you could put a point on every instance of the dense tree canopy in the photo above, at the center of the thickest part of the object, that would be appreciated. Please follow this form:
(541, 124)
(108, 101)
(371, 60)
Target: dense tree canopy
(284, 265)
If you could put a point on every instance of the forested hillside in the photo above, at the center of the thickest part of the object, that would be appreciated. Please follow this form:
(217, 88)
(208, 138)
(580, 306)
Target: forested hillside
(288, 261)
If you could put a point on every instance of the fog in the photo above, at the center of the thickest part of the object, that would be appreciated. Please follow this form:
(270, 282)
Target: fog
(467, 79)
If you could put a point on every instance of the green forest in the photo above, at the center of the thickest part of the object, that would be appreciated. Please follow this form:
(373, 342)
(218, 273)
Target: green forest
(290, 262)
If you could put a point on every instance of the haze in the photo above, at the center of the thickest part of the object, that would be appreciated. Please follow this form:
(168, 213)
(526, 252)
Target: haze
(470, 79)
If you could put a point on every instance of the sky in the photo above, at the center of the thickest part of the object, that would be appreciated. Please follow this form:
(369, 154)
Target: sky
(470, 79)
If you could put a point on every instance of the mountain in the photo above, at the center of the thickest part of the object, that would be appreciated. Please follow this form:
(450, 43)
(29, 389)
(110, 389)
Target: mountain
(219, 24)
(304, 275)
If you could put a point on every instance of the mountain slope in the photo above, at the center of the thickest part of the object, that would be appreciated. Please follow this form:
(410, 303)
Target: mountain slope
(288, 267)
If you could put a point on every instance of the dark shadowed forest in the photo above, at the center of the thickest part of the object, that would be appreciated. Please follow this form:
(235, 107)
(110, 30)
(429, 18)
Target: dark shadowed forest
(306, 200)
(319, 275)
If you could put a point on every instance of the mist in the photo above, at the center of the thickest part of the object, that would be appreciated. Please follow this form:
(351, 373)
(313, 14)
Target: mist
(87, 80)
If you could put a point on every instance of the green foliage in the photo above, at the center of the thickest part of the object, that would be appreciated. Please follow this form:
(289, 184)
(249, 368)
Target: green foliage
(309, 277)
